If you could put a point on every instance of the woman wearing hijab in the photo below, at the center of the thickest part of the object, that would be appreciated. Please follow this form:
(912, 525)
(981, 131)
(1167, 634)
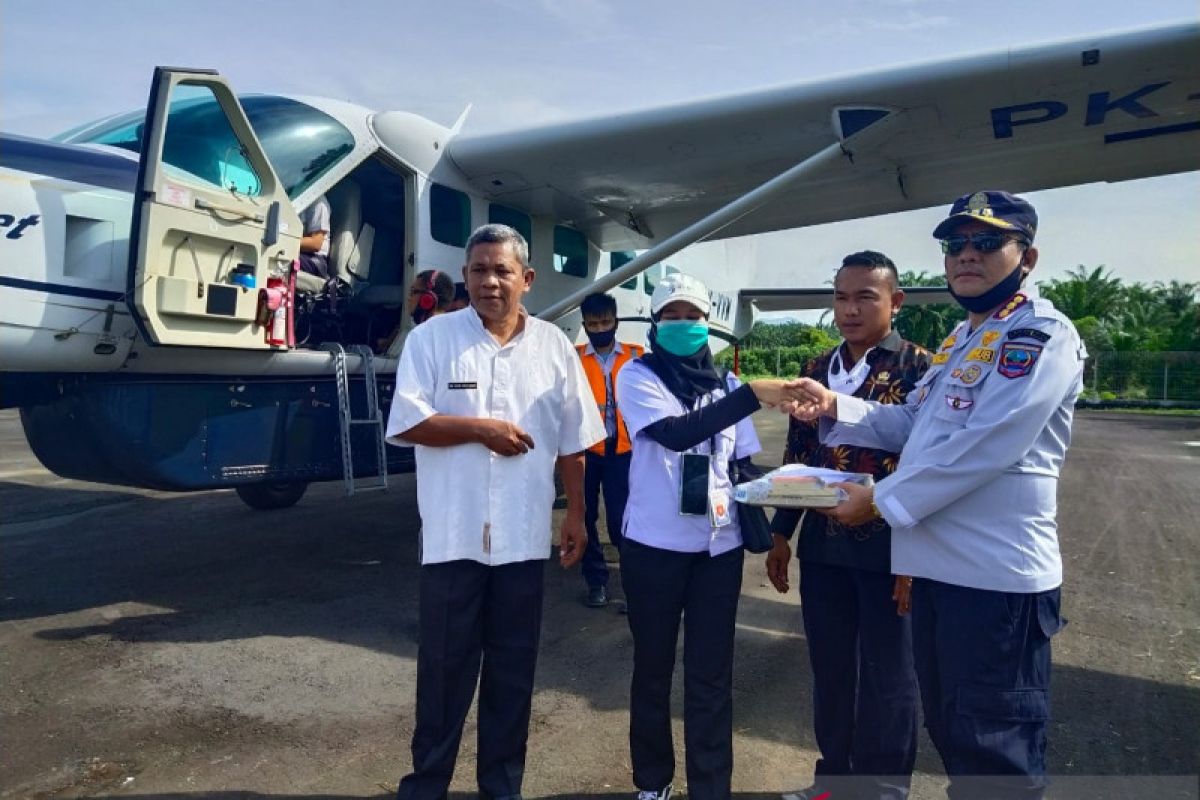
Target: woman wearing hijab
(682, 557)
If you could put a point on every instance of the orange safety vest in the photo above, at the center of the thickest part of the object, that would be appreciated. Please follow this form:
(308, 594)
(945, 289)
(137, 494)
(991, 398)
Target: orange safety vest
(595, 376)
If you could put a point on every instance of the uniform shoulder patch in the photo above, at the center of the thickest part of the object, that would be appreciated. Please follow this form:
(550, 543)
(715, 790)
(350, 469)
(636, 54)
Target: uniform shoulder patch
(1018, 301)
(1029, 333)
(1017, 359)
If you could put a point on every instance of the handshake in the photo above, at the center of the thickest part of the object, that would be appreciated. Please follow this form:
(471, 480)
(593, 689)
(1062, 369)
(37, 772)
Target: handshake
(803, 398)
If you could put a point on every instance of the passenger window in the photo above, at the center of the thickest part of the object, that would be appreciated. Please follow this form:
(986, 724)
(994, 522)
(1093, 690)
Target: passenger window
(620, 258)
(656, 274)
(651, 277)
(570, 252)
(449, 215)
(208, 152)
(519, 221)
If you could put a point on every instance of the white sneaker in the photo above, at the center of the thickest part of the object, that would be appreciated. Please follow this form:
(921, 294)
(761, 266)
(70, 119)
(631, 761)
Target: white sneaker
(661, 794)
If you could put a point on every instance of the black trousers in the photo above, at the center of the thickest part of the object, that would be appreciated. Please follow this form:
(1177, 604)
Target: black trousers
(864, 685)
(472, 612)
(610, 473)
(661, 587)
(983, 662)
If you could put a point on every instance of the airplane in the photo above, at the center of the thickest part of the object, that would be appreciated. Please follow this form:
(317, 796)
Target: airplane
(152, 332)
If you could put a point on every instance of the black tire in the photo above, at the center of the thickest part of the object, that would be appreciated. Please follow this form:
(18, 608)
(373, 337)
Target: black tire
(270, 496)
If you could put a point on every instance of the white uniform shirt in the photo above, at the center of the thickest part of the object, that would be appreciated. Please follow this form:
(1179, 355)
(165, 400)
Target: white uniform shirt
(652, 512)
(984, 434)
(475, 504)
(316, 218)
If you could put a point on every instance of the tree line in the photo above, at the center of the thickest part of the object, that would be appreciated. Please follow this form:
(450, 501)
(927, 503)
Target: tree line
(1111, 316)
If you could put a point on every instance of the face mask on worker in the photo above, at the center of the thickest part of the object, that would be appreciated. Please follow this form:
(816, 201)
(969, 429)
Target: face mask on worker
(602, 339)
(682, 337)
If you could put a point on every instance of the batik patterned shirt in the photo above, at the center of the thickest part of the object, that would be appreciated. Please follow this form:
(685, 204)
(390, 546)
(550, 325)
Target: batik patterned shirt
(895, 367)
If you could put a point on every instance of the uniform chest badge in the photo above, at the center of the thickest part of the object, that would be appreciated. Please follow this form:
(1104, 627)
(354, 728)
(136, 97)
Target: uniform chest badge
(957, 373)
(940, 358)
(1017, 359)
(985, 354)
(948, 342)
(989, 337)
(959, 403)
(971, 374)
(1019, 299)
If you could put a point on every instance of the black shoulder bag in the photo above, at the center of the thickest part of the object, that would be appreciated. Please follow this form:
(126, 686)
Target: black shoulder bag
(756, 530)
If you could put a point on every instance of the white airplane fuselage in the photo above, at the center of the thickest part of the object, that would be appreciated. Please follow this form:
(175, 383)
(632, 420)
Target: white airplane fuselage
(101, 402)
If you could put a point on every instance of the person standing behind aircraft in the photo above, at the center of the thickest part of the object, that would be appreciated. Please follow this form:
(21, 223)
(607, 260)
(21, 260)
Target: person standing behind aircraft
(682, 549)
(607, 463)
(431, 294)
(859, 646)
(972, 502)
(492, 398)
(461, 299)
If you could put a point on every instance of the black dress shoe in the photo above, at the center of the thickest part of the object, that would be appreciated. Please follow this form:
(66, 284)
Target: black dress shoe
(597, 597)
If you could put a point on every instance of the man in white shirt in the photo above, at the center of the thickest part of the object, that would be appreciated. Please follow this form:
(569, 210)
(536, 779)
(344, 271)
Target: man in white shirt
(492, 398)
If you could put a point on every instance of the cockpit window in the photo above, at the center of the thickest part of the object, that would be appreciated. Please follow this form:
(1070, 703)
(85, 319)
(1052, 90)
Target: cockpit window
(301, 142)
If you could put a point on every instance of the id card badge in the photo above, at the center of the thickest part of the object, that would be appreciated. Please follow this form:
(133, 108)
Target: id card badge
(719, 512)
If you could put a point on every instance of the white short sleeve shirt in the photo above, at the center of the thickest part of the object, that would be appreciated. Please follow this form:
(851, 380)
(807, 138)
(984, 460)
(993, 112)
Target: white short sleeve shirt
(652, 513)
(475, 504)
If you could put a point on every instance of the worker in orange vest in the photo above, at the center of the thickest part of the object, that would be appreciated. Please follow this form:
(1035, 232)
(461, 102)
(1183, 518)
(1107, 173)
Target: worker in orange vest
(607, 463)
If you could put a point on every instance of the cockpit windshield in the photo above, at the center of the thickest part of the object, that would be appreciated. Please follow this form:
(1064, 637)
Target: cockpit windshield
(301, 142)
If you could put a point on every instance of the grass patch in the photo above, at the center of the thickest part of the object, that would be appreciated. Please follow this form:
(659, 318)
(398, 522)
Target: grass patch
(1157, 412)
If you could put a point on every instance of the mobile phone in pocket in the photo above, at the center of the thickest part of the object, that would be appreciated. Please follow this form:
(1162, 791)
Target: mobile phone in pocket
(693, 484)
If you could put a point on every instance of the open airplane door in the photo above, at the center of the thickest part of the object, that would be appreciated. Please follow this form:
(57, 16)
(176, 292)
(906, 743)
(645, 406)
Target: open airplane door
(212, 223)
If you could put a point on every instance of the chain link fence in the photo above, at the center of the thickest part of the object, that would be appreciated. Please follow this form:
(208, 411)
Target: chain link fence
(1110, 377)
(1139, 376)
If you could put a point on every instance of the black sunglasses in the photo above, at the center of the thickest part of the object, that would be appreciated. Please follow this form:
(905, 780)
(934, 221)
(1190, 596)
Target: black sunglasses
(984, 242)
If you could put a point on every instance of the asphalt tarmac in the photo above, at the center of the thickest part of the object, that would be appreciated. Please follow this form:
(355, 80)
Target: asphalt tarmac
(182, 645)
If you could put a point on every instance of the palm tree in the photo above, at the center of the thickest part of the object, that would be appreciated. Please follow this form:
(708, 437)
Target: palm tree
(926, 325)
(1083, 293)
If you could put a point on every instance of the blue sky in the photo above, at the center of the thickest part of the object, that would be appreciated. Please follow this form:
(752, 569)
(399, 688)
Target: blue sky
(520, 63)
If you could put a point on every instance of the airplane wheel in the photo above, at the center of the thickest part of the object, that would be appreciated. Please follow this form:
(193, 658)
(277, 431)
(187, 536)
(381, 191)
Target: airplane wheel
(270, 496)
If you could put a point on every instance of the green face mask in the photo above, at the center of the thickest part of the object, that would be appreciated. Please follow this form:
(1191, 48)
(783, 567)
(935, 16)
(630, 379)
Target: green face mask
(682, 337)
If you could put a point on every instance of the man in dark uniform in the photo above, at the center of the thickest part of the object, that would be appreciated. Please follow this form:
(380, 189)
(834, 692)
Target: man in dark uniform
(859, 642)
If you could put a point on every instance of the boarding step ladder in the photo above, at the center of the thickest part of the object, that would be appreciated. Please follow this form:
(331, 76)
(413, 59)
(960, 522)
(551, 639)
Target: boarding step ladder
(348, 421)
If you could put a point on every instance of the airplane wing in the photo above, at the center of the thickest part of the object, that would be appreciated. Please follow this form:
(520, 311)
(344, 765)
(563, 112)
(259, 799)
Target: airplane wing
(1102, 108)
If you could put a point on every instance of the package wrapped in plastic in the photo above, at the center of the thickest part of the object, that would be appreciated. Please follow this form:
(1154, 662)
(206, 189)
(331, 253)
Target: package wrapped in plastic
(798, 486)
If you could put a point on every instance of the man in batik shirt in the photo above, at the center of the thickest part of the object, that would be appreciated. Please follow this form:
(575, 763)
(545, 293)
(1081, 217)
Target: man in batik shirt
(855, 612)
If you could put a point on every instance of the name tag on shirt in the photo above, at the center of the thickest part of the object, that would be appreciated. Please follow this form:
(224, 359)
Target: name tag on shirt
(719, 514)
(985, 354)
(463, 385)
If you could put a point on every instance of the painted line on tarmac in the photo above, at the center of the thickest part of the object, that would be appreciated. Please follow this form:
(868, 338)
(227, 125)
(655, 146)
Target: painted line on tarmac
(769, 631)
(28, 473)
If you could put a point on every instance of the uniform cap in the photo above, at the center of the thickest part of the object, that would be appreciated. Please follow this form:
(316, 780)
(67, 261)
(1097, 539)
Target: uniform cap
(998, 209)
(678, 286)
